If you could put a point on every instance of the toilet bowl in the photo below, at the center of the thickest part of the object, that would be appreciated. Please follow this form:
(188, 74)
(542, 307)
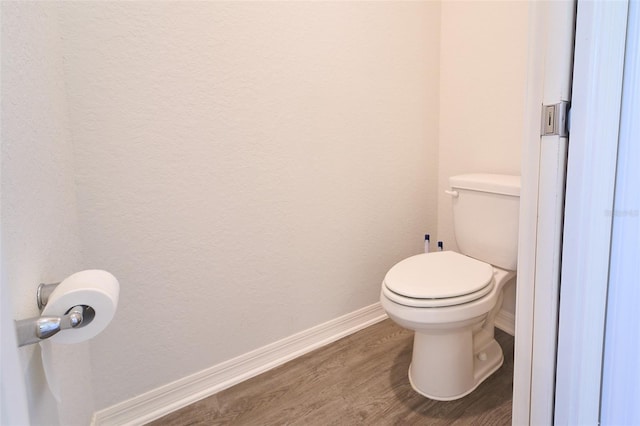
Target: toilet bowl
(450, 299)
(454, 348)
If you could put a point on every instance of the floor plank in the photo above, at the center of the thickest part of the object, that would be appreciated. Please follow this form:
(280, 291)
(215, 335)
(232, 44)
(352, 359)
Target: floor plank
(358, 380)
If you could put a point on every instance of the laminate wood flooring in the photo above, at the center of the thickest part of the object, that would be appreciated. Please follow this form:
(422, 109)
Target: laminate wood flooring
(358, 380)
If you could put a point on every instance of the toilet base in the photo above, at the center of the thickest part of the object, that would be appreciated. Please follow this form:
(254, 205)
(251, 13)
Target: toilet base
(446, 376)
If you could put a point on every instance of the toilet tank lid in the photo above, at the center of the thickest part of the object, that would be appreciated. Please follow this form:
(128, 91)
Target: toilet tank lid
(486, 182)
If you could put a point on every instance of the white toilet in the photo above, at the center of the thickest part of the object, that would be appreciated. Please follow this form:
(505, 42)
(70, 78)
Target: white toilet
(451, 299)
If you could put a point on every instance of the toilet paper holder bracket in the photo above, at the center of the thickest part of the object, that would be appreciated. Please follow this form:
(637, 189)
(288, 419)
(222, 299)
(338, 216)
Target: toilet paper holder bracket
(43, 293)
(36, 329)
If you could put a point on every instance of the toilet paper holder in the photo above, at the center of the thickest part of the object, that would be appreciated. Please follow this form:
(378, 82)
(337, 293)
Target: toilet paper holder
(36, 329)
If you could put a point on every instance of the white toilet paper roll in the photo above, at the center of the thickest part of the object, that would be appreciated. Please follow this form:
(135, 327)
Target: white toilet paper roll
(95, 288)
(50, 372)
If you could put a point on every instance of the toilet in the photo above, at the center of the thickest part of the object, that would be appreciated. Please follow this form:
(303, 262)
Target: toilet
(449, 299)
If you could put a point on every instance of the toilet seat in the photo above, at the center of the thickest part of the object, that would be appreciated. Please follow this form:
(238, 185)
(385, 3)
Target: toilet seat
(438, 279)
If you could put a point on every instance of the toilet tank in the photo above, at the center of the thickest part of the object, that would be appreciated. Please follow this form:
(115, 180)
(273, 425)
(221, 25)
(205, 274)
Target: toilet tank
(485, 217)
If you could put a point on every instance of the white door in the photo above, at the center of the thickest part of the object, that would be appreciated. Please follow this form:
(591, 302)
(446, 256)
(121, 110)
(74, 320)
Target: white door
(621, 370)
(541, 208)
(601, 34)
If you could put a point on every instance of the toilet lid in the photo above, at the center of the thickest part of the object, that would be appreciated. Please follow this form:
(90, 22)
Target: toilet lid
(439, 275)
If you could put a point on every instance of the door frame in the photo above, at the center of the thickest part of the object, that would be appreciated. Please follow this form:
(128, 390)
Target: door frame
(550, 54)
(598, 82)
(576, 382)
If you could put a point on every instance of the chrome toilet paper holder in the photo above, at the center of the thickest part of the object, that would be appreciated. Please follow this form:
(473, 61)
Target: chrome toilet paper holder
(36, 329)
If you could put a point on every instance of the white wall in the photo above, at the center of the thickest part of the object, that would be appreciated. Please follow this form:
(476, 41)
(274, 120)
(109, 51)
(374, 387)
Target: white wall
(247, 170)
(483, 54)
(39, 223)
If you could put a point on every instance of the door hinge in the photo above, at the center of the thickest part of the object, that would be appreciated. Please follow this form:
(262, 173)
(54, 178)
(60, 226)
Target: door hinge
(555, 119)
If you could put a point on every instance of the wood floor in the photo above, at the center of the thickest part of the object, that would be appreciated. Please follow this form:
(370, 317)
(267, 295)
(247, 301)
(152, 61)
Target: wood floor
(358, 380)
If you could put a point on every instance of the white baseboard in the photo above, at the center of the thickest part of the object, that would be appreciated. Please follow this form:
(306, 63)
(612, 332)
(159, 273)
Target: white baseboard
(506, 321)
(168, 398)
